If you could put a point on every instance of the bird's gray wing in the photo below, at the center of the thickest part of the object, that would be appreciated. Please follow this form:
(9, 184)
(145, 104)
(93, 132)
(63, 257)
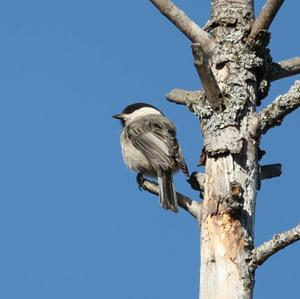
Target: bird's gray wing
(155, 137)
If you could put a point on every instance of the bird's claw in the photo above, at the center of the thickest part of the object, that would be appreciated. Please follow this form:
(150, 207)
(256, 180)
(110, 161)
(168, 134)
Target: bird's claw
(140, 181)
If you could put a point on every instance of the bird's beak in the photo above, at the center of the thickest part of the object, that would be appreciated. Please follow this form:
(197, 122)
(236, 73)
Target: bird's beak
(119, 116)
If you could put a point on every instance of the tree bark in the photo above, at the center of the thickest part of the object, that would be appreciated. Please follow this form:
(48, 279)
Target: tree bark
(236, 74)
(231, 144)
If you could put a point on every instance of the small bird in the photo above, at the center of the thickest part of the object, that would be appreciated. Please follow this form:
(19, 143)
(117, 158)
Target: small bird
(149, 146)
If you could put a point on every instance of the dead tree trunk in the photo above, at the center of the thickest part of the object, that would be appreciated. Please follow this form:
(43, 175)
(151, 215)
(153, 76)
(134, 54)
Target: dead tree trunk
(231, 144)
(236, 69)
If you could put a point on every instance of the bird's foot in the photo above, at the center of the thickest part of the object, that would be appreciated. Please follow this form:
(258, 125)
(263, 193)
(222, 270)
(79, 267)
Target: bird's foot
(140, 181)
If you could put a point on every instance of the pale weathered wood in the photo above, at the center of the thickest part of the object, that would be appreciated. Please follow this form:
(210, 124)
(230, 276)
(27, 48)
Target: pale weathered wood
(178, 96)
(184, 97)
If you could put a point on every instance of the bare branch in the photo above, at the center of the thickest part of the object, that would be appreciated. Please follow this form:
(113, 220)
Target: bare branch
(185, 24)
(270, 171)
(264, 20)
(178, 96)
(279, 241)
(285, 68)
(273, 114)
(209, 82)
(184, 97)
(191, 206)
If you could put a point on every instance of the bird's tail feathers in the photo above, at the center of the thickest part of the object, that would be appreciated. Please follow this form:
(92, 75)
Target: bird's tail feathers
(167, 193)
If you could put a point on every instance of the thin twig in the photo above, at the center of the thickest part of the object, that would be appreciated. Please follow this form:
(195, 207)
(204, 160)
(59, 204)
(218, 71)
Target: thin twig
(283, 105)
(185, 24)
(285, 68)
(191, 206)
(209, 82)
(265, 18)
(279, 241)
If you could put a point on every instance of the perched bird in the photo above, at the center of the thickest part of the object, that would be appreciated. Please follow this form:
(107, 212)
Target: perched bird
(149, 146)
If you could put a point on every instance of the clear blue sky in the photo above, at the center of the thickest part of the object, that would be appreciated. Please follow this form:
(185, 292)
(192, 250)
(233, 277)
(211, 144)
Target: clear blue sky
(72, 222)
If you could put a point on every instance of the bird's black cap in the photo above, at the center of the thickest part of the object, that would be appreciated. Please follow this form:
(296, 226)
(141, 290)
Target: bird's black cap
(133, 107)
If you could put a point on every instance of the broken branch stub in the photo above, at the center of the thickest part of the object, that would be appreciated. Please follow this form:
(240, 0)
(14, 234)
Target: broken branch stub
(270, 171)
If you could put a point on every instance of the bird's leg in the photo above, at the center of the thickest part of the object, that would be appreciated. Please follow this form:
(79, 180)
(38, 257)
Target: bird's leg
(140, 181)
